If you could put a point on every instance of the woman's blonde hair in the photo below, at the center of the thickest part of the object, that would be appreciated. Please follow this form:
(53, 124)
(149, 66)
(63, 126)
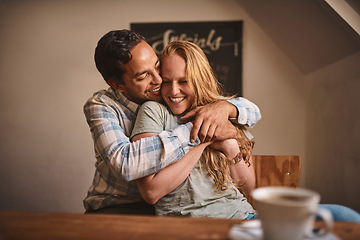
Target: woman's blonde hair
(202, 81)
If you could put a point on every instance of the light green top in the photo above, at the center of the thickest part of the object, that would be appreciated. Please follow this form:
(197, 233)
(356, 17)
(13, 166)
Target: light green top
(196, 196)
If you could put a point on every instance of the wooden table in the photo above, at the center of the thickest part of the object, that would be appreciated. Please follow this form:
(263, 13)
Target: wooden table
(64, 226)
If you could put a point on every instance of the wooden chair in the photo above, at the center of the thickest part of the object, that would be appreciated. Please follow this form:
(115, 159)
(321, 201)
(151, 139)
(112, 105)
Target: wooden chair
(277, 170)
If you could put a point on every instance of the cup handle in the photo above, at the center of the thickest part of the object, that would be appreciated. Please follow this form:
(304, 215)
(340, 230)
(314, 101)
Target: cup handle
(328, 220)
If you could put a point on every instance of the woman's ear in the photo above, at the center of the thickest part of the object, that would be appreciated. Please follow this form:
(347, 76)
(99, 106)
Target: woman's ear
(116, 85)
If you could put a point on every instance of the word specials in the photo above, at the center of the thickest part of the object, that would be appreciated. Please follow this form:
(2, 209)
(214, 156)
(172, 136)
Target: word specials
(208, 44)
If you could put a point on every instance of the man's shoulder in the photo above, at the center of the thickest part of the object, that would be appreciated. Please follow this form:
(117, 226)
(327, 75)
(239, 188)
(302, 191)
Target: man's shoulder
(103, 94)
(102, 97)
(102, 100)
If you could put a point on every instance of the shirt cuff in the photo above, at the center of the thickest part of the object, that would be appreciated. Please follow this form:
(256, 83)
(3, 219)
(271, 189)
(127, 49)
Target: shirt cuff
(183, 134)
(242, 114)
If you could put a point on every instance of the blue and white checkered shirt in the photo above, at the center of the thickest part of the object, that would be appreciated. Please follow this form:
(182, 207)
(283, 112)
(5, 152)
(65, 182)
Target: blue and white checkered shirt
(111, 117)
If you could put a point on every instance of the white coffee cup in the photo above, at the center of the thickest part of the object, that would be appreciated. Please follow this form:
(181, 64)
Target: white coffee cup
(289, 213)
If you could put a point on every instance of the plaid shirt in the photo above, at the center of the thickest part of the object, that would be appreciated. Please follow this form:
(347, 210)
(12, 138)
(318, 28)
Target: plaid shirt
(111, 117)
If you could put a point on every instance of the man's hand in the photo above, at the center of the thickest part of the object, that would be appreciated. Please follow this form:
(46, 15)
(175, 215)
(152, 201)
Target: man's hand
(211, 122)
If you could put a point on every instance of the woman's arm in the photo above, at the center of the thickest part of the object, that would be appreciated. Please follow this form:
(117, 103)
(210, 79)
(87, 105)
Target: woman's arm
(242, 174)
(155, 186)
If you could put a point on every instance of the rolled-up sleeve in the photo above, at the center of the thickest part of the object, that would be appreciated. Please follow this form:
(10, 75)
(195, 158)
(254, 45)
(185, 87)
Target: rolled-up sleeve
(132, 160)
(249, 113)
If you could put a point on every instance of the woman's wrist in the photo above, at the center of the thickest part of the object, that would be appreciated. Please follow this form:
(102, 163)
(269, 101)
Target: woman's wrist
(231, 153)
(236, 159)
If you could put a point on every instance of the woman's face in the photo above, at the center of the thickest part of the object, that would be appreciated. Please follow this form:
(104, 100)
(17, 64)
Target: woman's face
(175, 90)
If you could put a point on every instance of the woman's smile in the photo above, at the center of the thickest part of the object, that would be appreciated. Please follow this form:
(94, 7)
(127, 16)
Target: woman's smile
(176, 99)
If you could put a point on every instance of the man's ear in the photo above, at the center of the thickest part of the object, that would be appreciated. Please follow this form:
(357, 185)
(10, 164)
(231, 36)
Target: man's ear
(116, 85)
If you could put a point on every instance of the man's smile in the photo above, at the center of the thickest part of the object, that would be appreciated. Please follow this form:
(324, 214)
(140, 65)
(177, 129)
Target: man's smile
(155, 89)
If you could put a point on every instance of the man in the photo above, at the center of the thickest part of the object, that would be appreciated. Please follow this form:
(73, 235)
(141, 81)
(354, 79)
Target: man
(131, 68)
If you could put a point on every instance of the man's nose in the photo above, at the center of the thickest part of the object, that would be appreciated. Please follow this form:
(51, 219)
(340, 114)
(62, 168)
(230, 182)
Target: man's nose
(157, 78)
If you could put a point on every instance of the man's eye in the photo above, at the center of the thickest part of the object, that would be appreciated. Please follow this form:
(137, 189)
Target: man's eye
(142, 77)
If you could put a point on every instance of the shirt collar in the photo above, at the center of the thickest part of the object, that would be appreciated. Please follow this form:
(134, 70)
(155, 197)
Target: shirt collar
(134, 107)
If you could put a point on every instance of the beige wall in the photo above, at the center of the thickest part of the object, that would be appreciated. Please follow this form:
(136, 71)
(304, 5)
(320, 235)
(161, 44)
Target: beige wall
(333, 132)
(47, 73)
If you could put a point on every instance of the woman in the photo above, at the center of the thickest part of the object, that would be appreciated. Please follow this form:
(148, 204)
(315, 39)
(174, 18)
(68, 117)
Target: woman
(205, 188)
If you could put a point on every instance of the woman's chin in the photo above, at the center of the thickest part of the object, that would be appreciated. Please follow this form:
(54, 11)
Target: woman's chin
(177, 111)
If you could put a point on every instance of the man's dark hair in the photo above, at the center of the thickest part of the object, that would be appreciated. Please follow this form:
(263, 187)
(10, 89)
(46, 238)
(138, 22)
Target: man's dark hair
(113, 50)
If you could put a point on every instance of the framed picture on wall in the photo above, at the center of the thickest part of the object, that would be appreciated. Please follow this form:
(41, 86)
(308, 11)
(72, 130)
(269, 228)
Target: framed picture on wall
(221, 42)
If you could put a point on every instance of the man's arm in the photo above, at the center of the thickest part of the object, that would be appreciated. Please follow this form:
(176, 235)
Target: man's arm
(138, 159)
(155, 186)
(211, 121)
(248, 113)
(152, 119)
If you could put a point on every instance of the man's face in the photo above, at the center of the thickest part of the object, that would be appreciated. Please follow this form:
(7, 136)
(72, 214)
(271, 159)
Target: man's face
(141, 75)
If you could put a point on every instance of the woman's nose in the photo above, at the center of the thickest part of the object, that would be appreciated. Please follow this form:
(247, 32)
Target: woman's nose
(175, 88)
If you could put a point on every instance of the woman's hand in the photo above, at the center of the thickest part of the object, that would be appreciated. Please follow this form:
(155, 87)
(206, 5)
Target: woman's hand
(229, 147)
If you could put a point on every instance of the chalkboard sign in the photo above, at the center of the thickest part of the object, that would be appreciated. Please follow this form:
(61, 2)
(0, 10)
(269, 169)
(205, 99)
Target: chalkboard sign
(221, 42)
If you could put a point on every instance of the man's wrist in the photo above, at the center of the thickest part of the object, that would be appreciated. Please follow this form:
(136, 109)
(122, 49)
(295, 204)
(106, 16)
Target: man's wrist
(232, 110)
(183, 134)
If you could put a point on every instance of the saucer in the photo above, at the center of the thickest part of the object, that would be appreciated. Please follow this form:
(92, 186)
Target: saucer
(251, 230)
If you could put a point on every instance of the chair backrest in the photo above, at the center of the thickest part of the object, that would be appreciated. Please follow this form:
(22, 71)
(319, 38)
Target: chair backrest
(277, 170)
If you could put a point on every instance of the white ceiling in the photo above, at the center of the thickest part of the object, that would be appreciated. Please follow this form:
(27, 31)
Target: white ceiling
(310, 32)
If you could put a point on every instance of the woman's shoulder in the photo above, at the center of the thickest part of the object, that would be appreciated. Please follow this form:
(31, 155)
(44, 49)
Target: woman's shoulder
(153, 107)
(151, 104)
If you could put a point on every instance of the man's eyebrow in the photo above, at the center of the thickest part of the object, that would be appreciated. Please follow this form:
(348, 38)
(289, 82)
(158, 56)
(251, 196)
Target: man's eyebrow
(140, 73)
(145, 71)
